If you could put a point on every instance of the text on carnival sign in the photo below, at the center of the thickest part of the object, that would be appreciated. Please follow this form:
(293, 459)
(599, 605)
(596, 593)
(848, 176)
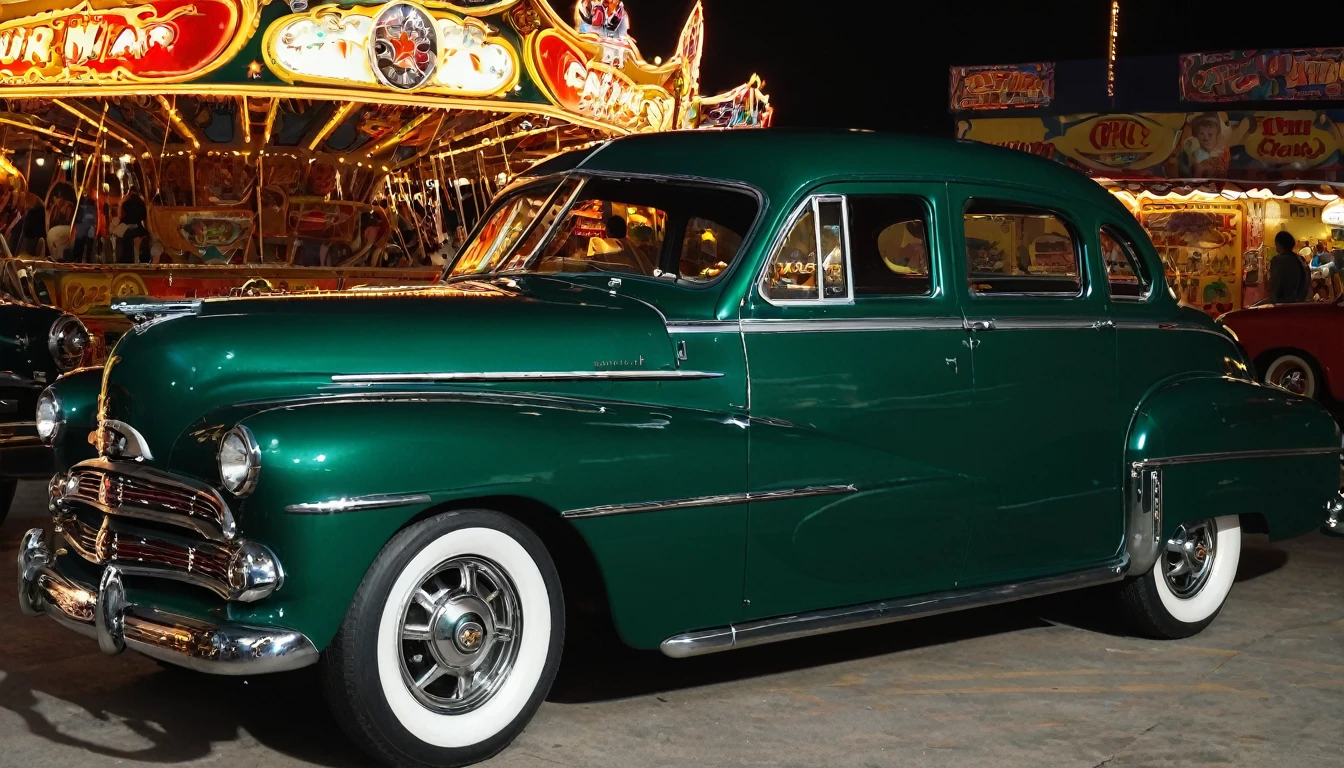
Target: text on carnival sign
(999, 87)
(1270, 75)
(596, 90)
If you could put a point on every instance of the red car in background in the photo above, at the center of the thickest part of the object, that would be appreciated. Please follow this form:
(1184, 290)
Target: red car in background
(1299, 347)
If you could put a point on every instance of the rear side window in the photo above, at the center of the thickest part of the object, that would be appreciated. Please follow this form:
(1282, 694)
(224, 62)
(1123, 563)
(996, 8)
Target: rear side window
(890, 238)
(1124, 271)
(1017, 249)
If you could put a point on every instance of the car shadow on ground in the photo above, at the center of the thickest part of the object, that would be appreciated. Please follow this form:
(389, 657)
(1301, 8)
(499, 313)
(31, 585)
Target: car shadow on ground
(132, 710)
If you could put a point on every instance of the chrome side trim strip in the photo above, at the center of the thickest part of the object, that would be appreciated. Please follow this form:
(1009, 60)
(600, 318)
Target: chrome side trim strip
(358, 503)
(1148, 325)
(1079, 323)
(704, 326)
(512, 376)
(1201, 458)
(798, 625)
(708, 501)
(845, 325)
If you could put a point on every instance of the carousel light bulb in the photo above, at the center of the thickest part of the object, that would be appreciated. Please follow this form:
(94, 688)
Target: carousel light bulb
(127, 158)
(41, 161)
(657, 61)
(254, 69)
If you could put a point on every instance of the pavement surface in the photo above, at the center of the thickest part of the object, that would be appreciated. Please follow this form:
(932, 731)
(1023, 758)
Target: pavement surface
(1048, 682)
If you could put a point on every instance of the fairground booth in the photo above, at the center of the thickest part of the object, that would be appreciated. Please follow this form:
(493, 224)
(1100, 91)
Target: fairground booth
(189, 148)
(1214, 153)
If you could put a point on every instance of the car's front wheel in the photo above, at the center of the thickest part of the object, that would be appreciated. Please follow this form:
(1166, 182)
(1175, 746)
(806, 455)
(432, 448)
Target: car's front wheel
(451, 643)
(1188, 585)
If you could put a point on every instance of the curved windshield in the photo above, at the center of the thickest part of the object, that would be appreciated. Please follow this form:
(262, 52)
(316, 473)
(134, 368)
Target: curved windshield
(653, 228)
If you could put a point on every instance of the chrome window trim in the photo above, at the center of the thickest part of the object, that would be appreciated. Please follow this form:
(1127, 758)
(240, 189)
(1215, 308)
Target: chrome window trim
(1123, 240)
(707, 501)
(812, 203)
(516, 376)
(358, 503)
(1204, 458)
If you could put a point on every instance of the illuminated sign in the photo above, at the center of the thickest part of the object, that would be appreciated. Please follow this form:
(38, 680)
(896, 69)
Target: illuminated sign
(1290, 139)
(999, 87)
(1119, 141)
(161, 41)
(596, 90)
(398, 45)
(1270, 75)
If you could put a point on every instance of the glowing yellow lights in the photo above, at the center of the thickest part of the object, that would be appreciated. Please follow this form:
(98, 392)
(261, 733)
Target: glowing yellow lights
(254, 70)
(1115, 35)
(337, 118)
(178, 123)
(41, 161)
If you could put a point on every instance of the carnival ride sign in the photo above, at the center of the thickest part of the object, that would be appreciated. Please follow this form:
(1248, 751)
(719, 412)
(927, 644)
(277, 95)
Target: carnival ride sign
(156, 41)
(399, 45)
(1271, 75)
(1000, 87)
(1106, 142)
(597, 90)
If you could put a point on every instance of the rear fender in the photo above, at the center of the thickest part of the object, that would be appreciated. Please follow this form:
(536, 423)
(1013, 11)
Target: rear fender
(1213, 446)
(446, 450)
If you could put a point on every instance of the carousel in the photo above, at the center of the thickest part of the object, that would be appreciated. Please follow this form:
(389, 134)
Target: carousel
(192, 148)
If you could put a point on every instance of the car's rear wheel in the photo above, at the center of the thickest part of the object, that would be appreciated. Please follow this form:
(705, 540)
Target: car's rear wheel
(1187, 587)
(1294, 373)
(451, 643)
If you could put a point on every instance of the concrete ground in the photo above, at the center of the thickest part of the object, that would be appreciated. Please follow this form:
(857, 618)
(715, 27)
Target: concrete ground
(1050, 682)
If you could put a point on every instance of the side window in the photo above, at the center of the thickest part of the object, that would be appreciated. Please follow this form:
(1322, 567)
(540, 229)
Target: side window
(890, 239)
(810, 262)
(1124, 271)
(1017, 249)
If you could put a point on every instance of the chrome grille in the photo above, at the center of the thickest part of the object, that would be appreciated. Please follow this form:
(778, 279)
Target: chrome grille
(141, 552)
(132, 490)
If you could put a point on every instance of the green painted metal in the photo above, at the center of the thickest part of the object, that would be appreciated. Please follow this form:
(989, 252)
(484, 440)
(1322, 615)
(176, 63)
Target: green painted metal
(78, 392)
(1010, 464)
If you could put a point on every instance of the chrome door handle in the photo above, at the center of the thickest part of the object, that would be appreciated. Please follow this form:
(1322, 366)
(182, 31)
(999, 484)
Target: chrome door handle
(979, 325)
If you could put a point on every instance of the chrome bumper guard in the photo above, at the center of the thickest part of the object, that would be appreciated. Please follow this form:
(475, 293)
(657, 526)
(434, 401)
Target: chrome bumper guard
(1334, 520)
(107, 616)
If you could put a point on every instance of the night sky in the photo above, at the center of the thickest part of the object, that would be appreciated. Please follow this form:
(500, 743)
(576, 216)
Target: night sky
(887, 69)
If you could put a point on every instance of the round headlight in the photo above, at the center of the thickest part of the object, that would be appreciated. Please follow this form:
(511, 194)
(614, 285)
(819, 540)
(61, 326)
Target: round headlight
(239, 461)
(68, 342)
(49, 416)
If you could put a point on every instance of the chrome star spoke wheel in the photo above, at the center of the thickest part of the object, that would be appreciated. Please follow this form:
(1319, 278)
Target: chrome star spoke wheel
(458, 635)
(1189, 558)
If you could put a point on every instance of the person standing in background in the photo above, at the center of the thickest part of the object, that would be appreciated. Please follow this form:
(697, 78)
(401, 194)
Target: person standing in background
(86, 223)
(1289, 277)
(133, 215)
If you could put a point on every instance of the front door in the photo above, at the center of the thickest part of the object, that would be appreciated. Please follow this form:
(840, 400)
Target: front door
(1036, 302)
(861, 403)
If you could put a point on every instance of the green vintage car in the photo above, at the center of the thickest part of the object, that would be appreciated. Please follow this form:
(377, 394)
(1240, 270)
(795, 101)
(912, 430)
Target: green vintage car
(732, 388)
(37, 345)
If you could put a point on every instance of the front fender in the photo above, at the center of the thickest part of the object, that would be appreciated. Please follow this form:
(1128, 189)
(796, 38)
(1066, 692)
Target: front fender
(1211, 446)
(78, 392)
(450, 450)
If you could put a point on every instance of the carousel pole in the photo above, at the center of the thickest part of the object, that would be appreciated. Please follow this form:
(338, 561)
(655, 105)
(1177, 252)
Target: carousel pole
(261, 225)
(480, 168)
(461, 208)
(504, 150)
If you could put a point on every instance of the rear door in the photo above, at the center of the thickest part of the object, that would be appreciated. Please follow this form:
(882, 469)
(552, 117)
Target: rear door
(1035, 299)
(861, 403)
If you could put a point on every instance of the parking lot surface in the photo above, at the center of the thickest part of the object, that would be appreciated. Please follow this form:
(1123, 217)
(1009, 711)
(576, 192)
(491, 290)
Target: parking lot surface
(1049, 682)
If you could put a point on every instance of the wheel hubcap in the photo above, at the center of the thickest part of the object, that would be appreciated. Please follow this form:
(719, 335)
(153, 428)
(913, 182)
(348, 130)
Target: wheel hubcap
(1290, 377)
(1189, 558)
(459, 635)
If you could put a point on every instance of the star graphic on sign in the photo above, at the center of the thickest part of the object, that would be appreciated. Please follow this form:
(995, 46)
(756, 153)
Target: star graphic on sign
(403, 49)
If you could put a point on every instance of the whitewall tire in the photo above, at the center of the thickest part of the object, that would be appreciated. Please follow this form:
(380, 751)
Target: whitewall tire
(451, 643)
(1293, 373)
(1187, 587)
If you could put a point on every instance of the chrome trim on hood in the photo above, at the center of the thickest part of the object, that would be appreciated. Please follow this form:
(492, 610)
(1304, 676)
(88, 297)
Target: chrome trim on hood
(513, 376)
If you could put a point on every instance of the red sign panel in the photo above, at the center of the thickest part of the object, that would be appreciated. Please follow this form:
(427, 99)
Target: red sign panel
(1271, 75)
(1001, 87)
(162, 40)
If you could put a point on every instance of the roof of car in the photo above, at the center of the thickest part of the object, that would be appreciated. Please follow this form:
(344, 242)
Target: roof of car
(781, 161)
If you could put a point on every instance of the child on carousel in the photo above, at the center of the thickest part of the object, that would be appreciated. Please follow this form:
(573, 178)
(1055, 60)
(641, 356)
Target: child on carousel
(605, 18)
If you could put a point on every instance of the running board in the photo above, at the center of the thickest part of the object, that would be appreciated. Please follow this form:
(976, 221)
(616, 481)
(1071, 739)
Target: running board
(798, 625)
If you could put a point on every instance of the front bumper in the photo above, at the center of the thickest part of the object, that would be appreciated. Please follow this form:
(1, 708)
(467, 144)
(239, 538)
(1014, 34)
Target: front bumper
(105, 615)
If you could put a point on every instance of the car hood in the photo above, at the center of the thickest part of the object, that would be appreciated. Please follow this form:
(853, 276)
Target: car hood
(165, 375)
